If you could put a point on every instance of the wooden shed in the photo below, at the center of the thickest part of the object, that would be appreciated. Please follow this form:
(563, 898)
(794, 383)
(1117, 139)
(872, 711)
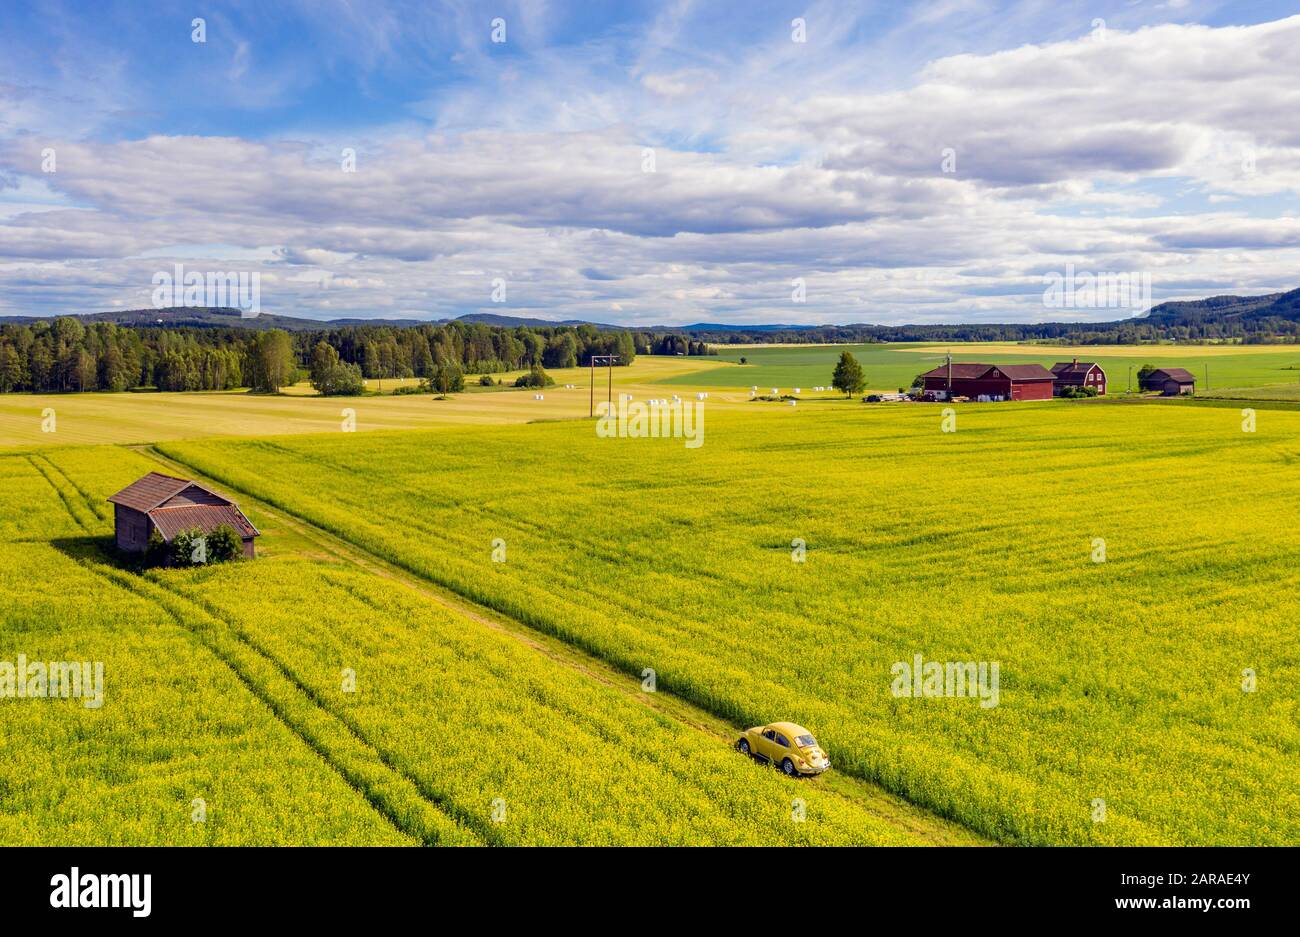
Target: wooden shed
(1171, 382)
(170, 505)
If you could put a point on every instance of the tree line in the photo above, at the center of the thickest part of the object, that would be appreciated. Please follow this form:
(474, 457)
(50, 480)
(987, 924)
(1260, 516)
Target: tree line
(63, 354)
(67, 355)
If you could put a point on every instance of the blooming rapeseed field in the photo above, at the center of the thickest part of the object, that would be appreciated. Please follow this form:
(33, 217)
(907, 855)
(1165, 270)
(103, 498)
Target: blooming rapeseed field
(297, 700)
(1130, 568)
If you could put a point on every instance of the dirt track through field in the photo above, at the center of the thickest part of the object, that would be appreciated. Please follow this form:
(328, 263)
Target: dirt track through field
(395, 793)
(927, 828)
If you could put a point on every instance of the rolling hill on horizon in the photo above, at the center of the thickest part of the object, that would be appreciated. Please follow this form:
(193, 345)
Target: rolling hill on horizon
(1213, 310)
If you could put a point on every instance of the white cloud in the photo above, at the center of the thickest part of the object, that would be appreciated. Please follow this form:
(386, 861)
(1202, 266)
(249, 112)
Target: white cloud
(1112, 154)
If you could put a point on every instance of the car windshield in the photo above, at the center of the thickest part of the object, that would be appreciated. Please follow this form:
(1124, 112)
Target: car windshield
(806, 741)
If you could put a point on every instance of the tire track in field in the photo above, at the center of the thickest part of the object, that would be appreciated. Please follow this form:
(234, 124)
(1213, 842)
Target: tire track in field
(477, 824)
(392, 793)
(673, 767)
(516, 616)
(47, 471)
(439, 802)
(928, 827)
(95, 507)
(628, 604)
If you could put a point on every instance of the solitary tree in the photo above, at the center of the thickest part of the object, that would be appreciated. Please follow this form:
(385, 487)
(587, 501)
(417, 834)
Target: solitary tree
(341, 379)
(449, 379)
(848, 375)
(535, 378)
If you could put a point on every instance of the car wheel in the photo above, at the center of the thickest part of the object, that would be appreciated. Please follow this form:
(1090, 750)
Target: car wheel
(743, 745)
(788, 767)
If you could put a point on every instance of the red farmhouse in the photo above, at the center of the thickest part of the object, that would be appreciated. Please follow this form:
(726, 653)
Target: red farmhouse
(997, 382)
(1080, 374)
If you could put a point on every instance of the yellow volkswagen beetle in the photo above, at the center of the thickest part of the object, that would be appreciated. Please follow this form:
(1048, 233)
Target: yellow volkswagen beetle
(790, 747)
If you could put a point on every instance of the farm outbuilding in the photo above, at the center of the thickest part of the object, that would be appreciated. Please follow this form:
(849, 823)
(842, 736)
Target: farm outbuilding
(170, 505)
(1078, 373)
(1006, 382)
(1171, 382)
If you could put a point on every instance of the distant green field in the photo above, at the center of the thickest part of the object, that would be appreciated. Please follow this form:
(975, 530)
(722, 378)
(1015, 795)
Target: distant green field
(889, 367)
(1261, 392)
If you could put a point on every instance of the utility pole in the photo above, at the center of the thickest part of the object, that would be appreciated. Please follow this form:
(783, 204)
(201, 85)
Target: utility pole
(608, 361)
(1130, 378)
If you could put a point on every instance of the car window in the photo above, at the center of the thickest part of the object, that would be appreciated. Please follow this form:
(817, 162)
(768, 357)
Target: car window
(805, 741)
(768, 734)
(782, 741)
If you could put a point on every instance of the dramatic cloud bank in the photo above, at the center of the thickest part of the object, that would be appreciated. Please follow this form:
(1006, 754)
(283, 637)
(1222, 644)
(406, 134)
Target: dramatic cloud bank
(669, 169)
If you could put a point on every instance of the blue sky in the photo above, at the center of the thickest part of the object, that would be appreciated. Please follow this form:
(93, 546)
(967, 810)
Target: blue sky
(652, 163)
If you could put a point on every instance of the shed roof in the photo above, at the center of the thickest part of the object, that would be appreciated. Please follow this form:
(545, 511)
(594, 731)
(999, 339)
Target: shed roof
(1181, 375)
(149, 492)
(204, 517)
(153, 494)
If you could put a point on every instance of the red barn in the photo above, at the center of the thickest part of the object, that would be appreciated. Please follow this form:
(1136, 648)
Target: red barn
(1005, 382)
(1170, 381)
(171, 505)
(1078, 373)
